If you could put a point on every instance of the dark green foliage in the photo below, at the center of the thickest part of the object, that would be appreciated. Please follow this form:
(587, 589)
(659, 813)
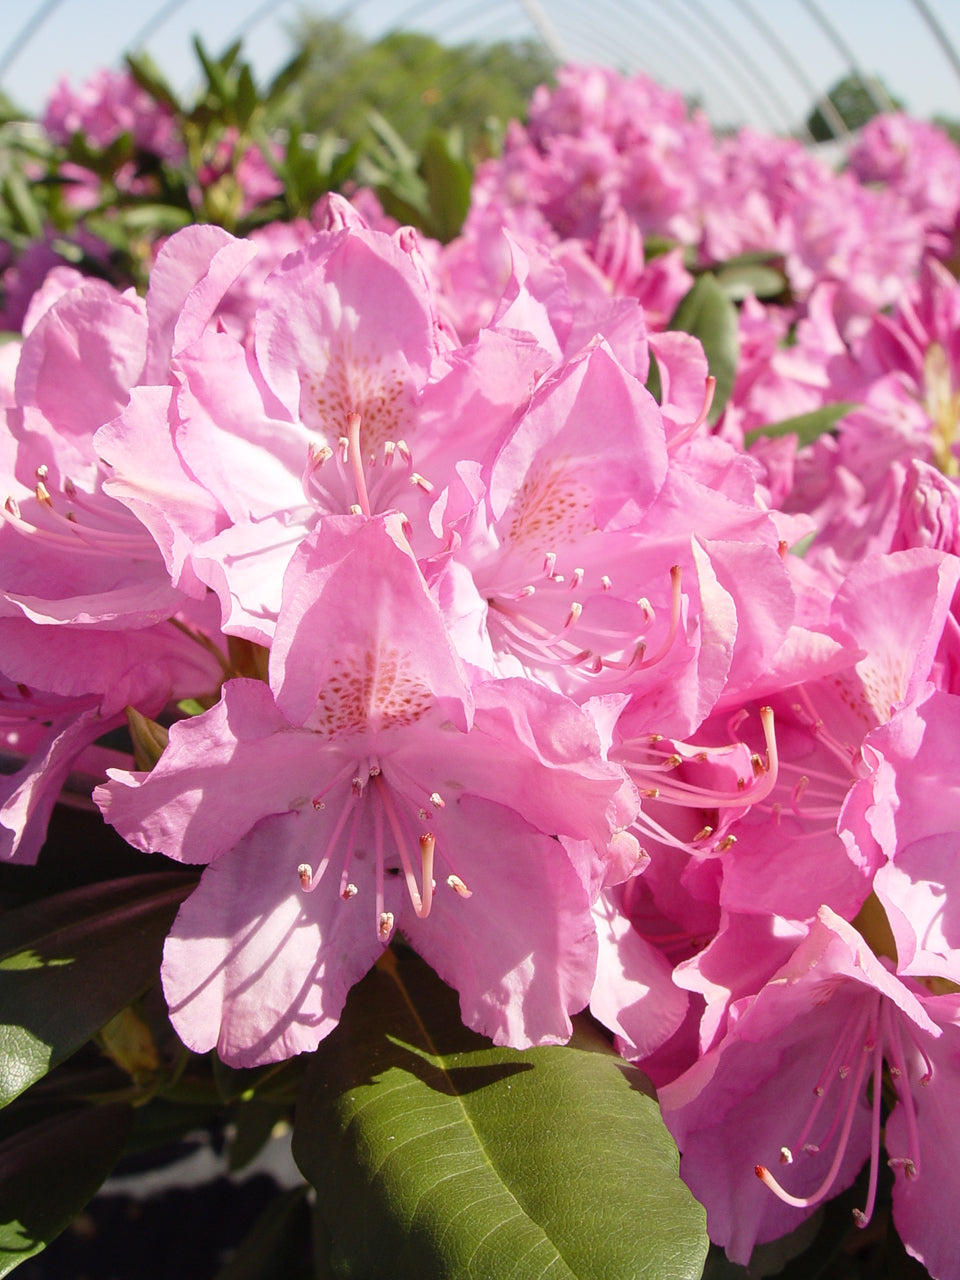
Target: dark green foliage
(854, 105)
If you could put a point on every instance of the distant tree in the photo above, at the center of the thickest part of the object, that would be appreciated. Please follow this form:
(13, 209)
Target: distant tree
(950, 127)
(854, 105)
(413, 80)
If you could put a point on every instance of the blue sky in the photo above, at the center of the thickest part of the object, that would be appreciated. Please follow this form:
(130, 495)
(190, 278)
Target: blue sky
(669, 39)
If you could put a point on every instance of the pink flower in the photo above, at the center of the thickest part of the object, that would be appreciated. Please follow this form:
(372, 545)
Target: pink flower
(785, 1091)
(375, 770)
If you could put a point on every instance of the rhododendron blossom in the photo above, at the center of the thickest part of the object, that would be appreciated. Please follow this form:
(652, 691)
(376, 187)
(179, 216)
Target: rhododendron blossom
(452, 596)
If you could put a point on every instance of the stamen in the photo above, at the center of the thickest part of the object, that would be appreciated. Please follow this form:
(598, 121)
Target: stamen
(675, 608)
(310, 881)
(685, 433)
(862, 1217)
(385, 926)
(457, 885)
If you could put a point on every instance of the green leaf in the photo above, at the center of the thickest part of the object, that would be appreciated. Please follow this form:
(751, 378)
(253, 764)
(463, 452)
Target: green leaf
(740, 280)
(475, 1161)
(50, 1170)
(247, 98)
(17, 195)
(69, 963)
(448, 178)
(806, 426)
(708, 313)
(255, 1123)
(150, 78)
(394, 146)
(217, 82)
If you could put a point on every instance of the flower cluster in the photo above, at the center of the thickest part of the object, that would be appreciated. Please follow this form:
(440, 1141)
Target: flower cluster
(486, 644)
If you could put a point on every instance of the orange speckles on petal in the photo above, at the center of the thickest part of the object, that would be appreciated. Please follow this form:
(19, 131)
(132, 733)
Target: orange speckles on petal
(553, 506)
(371, 688)
(358, 382)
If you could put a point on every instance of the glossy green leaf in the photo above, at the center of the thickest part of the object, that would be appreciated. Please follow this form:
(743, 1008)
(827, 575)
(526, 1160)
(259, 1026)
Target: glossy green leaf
(69, 963)
(806, 426)
(708, 313)
(475, 1161)
(49, 1170)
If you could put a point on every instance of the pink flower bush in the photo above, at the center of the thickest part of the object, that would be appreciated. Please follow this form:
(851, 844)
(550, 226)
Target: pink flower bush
(483, 635)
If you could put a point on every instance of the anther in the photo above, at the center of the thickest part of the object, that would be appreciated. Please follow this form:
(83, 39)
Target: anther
(437, 800)
(786, 1155)
(13, 507)
(421, 483)
(605, 583)
(305, 872)
(726, 843)
(349, 891)
(703, 834)
(457, 885)
(384, 925)
(69, 488)
(757, 764)
(43, 494)
(42, 471)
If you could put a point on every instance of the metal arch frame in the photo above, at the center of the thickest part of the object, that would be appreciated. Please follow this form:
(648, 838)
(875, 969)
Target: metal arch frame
(752, 68)
(873, 87)
(706, 72)
(547, 29)
(830, 114)
(25, 35)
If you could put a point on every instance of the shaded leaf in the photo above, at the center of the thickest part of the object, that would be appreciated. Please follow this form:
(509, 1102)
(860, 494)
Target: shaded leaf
(475, 1161)
(48, 1172)
(255, 1123)
(69, 963)
(805, 426)
(707, 312)
(276, 1243)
